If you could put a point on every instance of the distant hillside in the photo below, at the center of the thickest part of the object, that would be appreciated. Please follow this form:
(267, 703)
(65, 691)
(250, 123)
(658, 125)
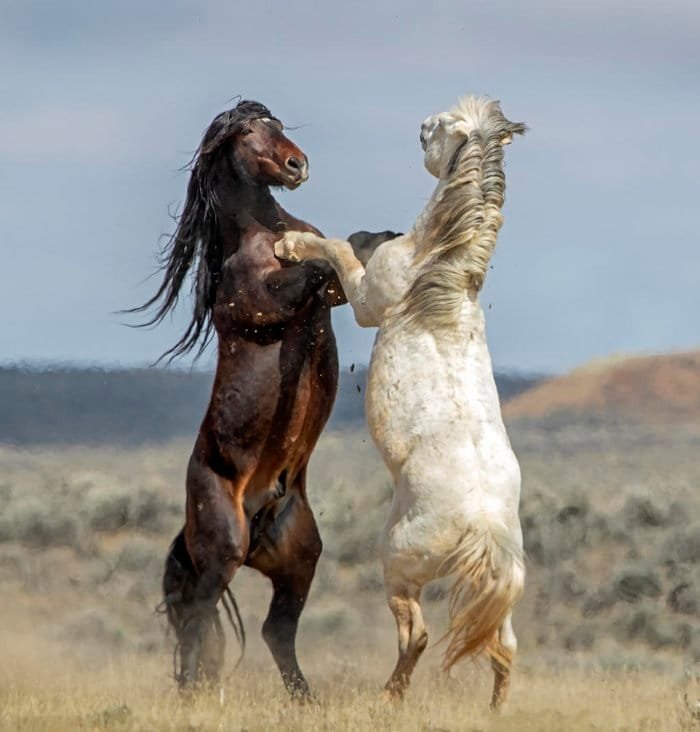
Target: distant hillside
(649, 390)
(132, 406)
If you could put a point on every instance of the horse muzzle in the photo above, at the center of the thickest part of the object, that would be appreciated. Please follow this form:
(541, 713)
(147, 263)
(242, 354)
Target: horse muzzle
(297, 171)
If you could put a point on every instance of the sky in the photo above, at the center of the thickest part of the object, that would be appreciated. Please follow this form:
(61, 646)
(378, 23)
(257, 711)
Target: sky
(103, 103)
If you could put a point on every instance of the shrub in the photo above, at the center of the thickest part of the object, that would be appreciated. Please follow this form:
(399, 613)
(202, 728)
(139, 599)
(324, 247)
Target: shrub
(642, 512)
(683, 546)
(685, 599)
(581, 638)
(634, 584)
(566, 587)
(147, 512)
(91, 626)
(552, 533)
(107, 511)
(646, 626)
(597, 602)
(140, 556)
(39, 524)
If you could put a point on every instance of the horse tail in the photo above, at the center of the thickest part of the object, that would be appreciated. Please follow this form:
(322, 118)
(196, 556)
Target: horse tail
(179, 581)
(490, 574)
(229, 603)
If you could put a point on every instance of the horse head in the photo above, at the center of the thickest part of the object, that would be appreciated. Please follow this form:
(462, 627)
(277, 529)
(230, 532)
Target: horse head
(251, 141)
(244, 148)
(444, 135)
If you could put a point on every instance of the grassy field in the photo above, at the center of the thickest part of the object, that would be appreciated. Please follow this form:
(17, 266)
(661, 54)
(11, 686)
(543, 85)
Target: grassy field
(609, 626)
(131, 694)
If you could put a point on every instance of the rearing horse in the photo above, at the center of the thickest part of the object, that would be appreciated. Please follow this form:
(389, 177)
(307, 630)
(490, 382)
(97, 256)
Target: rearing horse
(273, 391)
(432, 404)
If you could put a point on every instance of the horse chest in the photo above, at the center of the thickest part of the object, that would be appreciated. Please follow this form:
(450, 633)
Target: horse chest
(422, 389)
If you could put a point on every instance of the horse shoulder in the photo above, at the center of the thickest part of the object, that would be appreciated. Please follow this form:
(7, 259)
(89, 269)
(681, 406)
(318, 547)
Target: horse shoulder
(257, 288)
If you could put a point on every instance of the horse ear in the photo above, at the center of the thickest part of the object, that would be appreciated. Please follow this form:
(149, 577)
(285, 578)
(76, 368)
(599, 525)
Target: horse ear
(457, 127)
(513, 128)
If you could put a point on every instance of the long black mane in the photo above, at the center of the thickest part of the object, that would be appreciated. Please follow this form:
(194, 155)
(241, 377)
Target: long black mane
(195, 240)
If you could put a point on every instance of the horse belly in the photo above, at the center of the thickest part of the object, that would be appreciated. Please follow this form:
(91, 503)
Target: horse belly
(295, 433)
(433, 411)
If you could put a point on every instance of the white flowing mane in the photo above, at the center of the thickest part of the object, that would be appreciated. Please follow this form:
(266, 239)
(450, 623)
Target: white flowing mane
(459, 236)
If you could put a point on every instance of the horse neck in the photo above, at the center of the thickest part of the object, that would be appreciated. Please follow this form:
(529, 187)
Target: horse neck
(241, 205)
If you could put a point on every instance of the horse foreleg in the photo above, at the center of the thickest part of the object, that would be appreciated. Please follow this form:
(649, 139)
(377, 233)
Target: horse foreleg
(404, 602)
(287, 549)
(301, 246)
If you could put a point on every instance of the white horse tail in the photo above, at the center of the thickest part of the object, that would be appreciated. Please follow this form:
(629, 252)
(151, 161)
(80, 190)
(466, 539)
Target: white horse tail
(490, 576)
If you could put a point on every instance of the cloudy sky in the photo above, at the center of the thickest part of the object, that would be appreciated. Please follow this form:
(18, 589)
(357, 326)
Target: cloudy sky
(102, 103)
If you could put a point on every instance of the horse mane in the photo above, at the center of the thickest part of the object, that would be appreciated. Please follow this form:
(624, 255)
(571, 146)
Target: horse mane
(195, 244)
(459, 235)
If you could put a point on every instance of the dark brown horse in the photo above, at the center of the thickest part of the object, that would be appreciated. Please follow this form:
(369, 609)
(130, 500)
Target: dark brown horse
(274, 387)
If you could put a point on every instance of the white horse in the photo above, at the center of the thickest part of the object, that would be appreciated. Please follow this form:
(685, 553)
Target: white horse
(432, 405)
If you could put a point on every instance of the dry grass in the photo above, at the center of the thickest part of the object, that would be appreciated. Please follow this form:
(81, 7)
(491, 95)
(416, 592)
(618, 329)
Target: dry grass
(132, 694)
(609, 627)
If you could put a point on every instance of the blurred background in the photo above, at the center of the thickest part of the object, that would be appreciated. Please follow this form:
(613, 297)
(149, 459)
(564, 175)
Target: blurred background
(592, 307)
(103, 104)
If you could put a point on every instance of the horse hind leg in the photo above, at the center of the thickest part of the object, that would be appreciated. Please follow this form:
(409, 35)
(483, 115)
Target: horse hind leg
(287, 550)
(179, 581)
(404, 602)
(216, 538)
(507, 645)
(179, 584)
(211, 660)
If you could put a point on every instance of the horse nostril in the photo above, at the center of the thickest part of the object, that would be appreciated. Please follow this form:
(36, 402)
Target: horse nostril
(294, 164)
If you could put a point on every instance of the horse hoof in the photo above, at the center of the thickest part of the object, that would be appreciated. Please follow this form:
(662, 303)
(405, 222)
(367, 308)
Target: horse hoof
(187, 691)
(389, 696)
(305, 699)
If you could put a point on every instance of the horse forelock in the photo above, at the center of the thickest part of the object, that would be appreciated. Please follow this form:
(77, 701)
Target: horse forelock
(228, 123)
